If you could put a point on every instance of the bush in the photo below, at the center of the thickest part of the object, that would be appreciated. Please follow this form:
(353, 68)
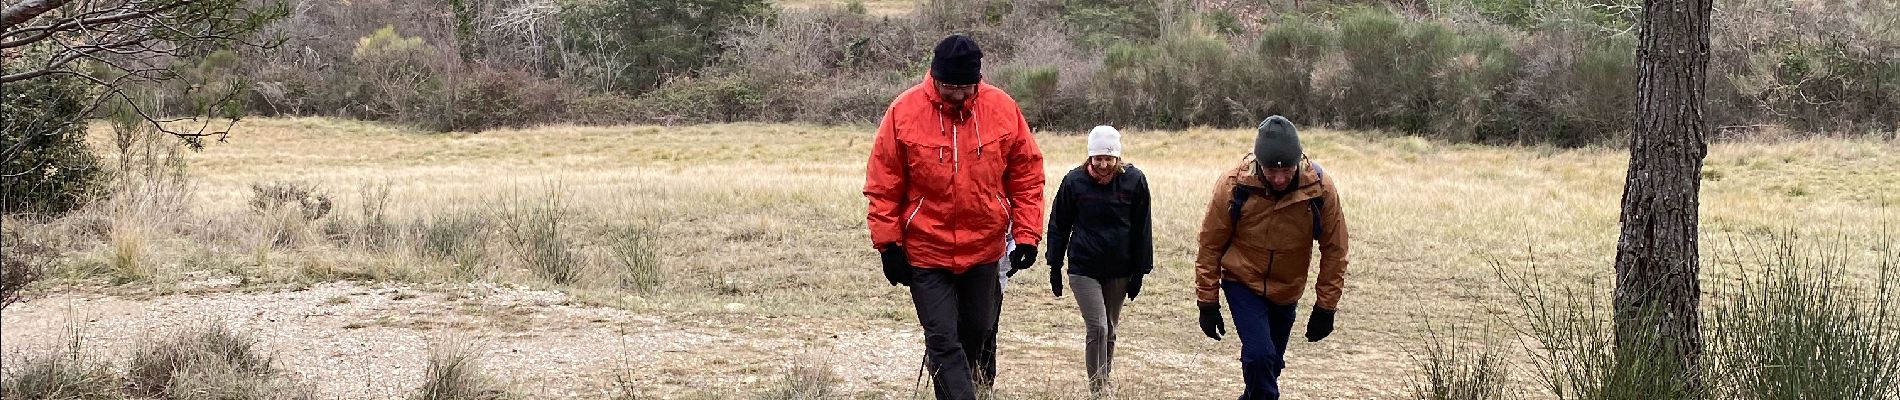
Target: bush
(392, 76)
(604, 109)
(537, 229)
(1185, 79)
(805, 382)
(1288, 53)
(304, 201)
(1098, 24)
(1574, 349)
(636, 254)
(824, 65)
(458, 238)
(1576, 87)
(1037, 90)
(63, 375)
(1471, 88)
(207, 363)
(284, 211)
(633, 46)
(46, 167)
(455, 373)
(713, 99)
(482, 97)
(1452, 368)
(22, 262)
(1393, 66)
(1795, 330)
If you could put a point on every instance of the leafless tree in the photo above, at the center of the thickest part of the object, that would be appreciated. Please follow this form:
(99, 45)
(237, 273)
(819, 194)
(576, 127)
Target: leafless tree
(116, 45)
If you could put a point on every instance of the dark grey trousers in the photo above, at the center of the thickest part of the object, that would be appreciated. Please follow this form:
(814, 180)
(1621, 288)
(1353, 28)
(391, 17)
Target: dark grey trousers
(958, 313)
(1101, 305)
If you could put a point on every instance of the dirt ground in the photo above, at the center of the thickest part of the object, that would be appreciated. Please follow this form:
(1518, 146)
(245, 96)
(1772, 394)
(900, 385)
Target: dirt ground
(371, 341)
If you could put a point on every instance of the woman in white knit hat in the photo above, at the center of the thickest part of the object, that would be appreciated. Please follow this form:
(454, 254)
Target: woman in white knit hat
(1101, 224)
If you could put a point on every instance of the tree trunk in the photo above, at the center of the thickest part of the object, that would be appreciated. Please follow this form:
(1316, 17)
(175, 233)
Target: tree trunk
(1657, 289)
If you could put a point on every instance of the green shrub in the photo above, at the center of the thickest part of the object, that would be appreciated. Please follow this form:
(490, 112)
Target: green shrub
(1186, 79)
(1288, 54)
(636, 255)
(1796, 329)
(1576, 87)
(635, 45)
(1037, 90)
(46, 167)
(1471, 89)
(486, 98)
(392, 76)
(1393, 67)
(710, 99)
(458, 238)
(1098, 24)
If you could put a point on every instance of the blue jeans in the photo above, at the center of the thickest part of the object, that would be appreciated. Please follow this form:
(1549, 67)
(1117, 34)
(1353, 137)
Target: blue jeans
(1263, 328)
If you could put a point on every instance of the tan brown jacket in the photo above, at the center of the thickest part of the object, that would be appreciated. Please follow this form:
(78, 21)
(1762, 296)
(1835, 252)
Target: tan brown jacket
(1272, 250)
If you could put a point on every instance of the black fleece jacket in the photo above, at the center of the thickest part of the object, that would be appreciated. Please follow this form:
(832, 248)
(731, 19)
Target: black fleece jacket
(1105, 231)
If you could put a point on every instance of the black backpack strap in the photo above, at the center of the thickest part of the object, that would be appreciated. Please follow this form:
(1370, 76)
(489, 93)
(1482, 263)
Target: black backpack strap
(1241, 193)
(1318, 204)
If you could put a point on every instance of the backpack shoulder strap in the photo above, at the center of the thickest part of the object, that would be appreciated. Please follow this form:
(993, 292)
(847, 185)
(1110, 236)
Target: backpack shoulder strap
(1318, 204)
(1241, 193)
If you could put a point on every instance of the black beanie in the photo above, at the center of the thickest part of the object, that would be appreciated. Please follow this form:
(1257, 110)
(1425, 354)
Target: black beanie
(957, 61)
(1277, 144)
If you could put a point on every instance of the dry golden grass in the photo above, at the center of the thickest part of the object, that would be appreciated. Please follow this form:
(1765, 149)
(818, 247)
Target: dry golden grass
(872, 7)
(770, 217)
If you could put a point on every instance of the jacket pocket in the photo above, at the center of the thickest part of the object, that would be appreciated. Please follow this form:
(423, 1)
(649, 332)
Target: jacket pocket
(928, 168)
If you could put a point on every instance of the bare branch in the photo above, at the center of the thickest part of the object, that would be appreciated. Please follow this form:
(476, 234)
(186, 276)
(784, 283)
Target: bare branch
(26, 10)
(77, 22)
(133, 41)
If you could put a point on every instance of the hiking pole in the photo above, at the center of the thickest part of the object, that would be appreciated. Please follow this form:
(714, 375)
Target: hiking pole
(914, 388)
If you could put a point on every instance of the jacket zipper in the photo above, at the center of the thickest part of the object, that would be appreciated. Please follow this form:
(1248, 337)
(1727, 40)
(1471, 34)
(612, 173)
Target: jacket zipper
(913, 213)
(1007, 223)
(1270, 256)
(956, 152)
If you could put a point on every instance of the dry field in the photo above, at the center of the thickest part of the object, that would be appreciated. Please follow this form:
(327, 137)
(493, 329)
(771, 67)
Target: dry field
(872, 7)
(732, 261)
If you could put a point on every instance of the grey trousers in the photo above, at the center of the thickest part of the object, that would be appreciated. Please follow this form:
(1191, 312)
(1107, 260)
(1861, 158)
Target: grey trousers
(1101, 304)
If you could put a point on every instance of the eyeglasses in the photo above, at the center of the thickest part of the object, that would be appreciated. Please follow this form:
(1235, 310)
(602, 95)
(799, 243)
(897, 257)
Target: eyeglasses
(958, 87)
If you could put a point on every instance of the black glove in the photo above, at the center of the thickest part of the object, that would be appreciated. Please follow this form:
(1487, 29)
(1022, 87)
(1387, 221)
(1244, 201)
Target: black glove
(1023, 257)
(1211, 323)
(1055, 281)
(1134, 286)
(896, 265)
(1320, 324)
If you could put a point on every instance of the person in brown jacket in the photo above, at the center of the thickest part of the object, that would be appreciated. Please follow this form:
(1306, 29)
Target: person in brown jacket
(1257, 242)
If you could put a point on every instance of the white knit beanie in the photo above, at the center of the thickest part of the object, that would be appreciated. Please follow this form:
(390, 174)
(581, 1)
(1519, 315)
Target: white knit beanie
(1105, 140)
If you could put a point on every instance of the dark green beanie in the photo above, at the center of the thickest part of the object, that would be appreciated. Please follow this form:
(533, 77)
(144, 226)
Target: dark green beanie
(1278, 144)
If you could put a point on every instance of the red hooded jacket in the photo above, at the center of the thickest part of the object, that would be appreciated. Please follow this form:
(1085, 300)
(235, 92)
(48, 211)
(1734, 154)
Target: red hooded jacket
(948, 190)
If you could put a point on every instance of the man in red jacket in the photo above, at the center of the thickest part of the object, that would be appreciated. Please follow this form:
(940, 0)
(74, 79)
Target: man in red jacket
(953, 174)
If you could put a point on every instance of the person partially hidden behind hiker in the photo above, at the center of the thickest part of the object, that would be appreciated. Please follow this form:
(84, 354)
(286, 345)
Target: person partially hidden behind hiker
(952, 173)
(1256, 245)
(1101, 222)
